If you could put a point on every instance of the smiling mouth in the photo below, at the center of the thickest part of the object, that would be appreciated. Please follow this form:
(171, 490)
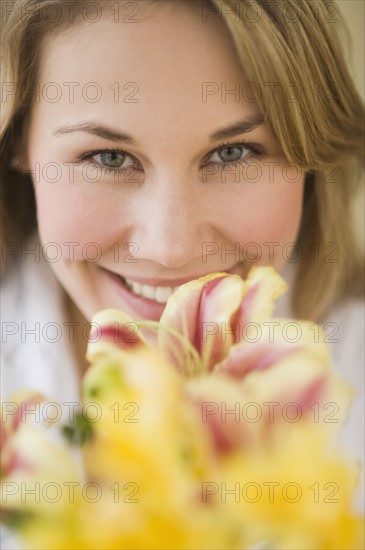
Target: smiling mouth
(159, 294)
(154, 293)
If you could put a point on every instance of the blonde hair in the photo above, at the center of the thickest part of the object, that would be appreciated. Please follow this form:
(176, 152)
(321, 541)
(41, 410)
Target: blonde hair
(289, 45)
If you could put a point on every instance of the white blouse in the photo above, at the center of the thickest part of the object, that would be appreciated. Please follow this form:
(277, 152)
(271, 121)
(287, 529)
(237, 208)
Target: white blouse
(35, 354)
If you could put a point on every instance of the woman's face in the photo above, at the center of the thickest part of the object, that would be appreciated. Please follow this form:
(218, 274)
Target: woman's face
(146, 164)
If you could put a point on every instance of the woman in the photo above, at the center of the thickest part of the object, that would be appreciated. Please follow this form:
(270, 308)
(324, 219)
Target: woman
(145, 144)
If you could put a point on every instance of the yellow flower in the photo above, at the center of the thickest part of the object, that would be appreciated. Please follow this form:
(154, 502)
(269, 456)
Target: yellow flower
(297, 495)
(220, 437)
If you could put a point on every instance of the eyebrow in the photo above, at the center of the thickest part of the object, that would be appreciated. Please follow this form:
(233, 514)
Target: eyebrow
(240, 127)
(96, 129)
(112, 134)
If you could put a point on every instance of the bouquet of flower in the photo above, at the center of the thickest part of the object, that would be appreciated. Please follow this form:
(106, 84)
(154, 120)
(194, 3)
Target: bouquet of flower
(221, 434)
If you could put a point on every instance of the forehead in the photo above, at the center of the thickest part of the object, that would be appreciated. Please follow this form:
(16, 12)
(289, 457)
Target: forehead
(159, 41)
(151, 71)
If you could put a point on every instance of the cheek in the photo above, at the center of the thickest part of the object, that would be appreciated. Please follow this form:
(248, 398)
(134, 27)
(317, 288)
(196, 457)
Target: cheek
(280, 214)
(270, 213)
(81, 214)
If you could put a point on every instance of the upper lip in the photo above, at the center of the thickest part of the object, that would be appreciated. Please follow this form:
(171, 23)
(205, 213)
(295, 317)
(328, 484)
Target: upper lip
(169, 282)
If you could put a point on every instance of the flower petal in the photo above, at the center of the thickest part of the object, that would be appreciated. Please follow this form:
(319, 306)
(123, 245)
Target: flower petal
(210, 312)
(112, 329)
(263, 287)
(201, 311)
(288, 376)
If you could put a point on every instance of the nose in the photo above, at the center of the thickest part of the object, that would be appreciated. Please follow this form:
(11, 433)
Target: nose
(173, 222)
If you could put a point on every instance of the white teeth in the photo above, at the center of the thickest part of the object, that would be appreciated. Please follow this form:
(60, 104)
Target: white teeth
(148, 292)
(158, 293)
(137, 288)
(162, 294)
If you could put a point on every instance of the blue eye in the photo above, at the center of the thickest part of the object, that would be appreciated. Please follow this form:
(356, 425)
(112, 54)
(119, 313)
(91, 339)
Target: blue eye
(232, 153)
(112, 159)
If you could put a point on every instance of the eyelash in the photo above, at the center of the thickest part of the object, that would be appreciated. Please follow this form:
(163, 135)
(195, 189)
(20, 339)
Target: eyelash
(105, 169)
(257, 152)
